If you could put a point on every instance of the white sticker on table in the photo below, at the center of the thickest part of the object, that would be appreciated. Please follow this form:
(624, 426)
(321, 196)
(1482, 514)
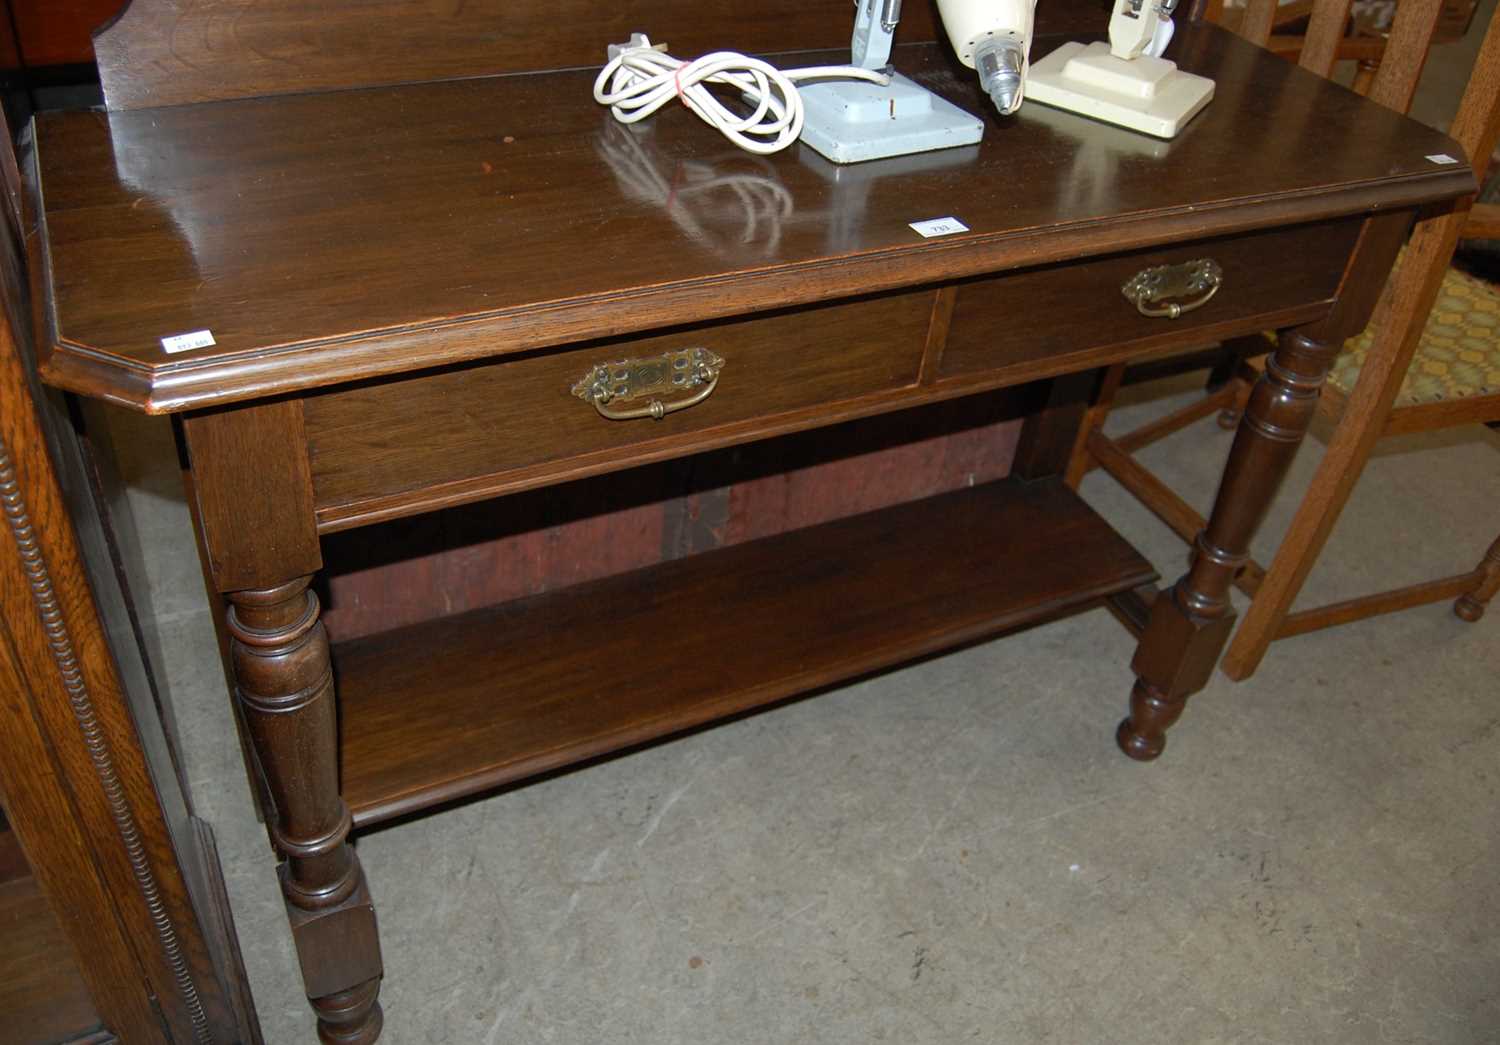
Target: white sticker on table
(1442, 159)
(187, 342)
(939, 227)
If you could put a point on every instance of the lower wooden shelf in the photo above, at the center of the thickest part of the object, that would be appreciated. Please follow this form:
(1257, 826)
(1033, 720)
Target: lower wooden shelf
(452, 707)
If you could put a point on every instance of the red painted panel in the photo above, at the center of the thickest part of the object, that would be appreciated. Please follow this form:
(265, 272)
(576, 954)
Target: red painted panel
(60, 32)
(400, 573)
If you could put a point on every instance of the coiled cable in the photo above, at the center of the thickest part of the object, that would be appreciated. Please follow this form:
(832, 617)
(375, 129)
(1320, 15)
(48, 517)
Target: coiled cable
(641, 77)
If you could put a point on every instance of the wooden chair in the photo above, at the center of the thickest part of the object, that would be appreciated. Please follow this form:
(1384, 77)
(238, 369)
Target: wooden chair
(1284, 29)
(1274, 27)
(1332, 31)
(1375, 389)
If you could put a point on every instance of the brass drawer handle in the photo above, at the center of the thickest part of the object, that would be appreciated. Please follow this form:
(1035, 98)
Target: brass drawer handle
(627, 379)
(1148, 288)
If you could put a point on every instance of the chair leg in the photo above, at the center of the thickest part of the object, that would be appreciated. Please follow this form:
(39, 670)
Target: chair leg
(1080, 461)
(1398, 323)
(1222, 372)
(1470, 605)
(1242, 383)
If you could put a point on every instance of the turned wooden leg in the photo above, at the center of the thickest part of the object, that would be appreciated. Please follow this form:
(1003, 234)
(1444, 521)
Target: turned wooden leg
(251, 489)
(1470, 605)
(284, 682)
(1190, 622)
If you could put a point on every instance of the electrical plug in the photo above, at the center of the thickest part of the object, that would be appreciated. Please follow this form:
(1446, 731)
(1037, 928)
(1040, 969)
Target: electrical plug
(637, 42)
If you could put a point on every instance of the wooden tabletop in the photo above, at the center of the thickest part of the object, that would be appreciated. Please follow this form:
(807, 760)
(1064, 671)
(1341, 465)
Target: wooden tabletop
(328, 237)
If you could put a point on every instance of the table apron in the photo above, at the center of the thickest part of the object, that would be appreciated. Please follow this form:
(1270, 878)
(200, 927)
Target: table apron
(385, 449)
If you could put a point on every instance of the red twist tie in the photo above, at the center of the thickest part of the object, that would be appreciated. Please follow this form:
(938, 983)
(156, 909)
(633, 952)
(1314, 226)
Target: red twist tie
(677, 79)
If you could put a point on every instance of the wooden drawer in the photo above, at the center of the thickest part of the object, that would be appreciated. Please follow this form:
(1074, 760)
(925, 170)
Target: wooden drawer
(1061, 314)
(392, 447)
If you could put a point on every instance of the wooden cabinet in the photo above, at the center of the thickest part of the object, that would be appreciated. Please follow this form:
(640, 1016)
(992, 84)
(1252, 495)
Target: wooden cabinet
(111, 910)
(43, 994)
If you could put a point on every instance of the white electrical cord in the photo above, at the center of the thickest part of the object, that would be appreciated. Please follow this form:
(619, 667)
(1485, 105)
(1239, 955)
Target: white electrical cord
(640, 78)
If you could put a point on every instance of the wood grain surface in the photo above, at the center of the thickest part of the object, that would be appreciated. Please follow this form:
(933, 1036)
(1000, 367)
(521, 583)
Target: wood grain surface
(329, 237)
(253, 493)
(383, 449)
(438, 564)
(42, 994)
(548, 681)
(1325, 33)
(90, 780)
(59, 32)
(170, 52)
(1401, 63)
(12, 861)
(1053, 310)
(383, 243)
(1398, 322)
(386, 438)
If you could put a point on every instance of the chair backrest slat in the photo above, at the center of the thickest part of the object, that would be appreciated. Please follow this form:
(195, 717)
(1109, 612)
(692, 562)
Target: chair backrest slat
(1477, 124)
(1256, 25)
(1402, 57)
(1405, 53)
(1325, 31)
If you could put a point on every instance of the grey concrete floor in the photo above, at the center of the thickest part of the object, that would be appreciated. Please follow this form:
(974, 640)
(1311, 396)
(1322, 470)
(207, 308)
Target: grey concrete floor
(955, 851)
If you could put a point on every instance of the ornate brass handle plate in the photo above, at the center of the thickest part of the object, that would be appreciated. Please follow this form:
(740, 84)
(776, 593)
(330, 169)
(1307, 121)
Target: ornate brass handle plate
(625, 380)
(1156, 291)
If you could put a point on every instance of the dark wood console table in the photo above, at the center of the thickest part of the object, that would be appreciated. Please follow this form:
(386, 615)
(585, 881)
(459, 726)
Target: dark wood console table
(404, 284)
